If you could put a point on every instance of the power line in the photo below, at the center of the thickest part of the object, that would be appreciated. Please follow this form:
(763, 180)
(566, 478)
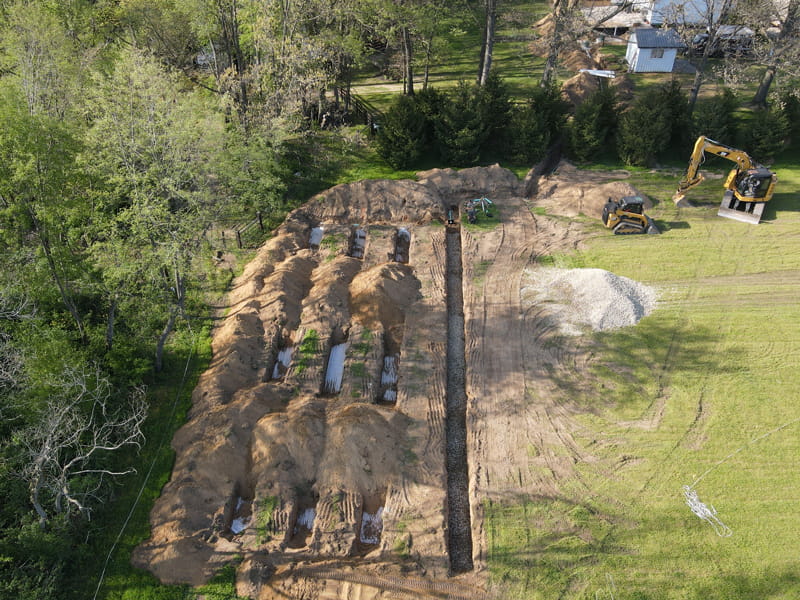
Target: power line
(152, 465)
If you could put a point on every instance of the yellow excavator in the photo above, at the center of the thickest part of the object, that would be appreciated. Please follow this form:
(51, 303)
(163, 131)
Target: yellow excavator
(748, 187)
(626, 216)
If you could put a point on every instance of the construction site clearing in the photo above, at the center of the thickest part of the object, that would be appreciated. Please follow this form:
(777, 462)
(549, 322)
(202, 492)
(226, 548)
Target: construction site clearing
(378, 375)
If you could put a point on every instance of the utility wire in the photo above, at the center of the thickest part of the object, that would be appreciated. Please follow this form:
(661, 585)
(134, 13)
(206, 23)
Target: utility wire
(152, 464)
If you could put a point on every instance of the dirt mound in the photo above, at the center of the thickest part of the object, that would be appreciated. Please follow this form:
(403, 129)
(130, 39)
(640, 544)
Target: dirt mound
(570, 192)
(544, 30)
(374, 201)
(593, 298)
(624, 86)
(575, 60)
(471, 182)
(380, 296)
(579, 87)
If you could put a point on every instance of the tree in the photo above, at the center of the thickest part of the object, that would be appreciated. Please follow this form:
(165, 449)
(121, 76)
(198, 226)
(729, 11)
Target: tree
(765, 134)
(538, 124)
(37, 50)
(715, 117)
(778, 45)
(710, 15)
(673, 102)
(39, 185)
(66, 445)
(155, 148)
(432, 18)
(487, 46)
(594, 123)
(496, 107)
(401, 137)
(164, 28)
(461, 129)
(11, 360)
(644, 129)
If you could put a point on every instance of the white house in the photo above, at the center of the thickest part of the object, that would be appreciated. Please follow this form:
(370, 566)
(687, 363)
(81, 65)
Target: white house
(652, 50)
(686, 12)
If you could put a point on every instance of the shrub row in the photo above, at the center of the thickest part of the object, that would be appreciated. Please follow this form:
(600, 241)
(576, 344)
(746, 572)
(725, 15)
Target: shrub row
(471, 124)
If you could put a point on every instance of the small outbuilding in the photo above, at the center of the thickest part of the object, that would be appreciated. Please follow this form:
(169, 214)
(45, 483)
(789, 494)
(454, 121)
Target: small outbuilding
(652, 50)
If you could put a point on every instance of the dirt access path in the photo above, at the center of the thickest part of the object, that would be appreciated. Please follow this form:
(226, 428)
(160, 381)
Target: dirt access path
(316, 454)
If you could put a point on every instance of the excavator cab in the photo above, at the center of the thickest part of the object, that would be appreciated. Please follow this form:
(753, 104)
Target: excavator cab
(626, 216)
(754, 183)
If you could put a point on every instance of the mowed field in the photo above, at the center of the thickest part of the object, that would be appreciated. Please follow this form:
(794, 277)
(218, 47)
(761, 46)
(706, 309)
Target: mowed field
(704, 392)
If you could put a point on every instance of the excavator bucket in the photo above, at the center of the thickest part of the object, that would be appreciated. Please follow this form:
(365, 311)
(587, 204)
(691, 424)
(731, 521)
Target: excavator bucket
(680, 200)
(746, 212)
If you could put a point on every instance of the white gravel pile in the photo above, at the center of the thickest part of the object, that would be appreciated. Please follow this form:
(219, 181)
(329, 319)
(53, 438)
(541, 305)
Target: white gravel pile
(580, 298)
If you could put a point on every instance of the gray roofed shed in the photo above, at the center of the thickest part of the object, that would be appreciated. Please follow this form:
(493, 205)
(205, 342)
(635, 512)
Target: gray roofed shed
(647, 37)
(652, 50)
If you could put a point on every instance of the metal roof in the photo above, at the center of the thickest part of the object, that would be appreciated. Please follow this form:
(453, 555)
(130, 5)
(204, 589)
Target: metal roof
(647, 37)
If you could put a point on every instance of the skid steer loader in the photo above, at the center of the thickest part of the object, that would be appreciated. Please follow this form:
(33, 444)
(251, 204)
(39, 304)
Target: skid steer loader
(626, 216)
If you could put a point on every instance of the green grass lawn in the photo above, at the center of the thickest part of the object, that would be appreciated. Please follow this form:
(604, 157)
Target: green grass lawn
(719, 359)
(458, 51)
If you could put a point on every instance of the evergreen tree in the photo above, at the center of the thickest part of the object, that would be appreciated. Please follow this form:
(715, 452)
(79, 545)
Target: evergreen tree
(461, 130)
(496, 109)
(644, 129)
(673, 102)
(402, 133)
(765, 134)
(537, 124)
(594, 124)
(715, 118)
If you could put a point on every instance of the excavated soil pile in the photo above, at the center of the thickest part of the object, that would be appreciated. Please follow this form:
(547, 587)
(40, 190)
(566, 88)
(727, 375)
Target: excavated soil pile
(314, 454)
(578, 87)
(569, 192)
(588, 298)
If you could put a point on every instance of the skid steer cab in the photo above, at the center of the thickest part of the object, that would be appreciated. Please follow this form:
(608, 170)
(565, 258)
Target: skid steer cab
(626, 216)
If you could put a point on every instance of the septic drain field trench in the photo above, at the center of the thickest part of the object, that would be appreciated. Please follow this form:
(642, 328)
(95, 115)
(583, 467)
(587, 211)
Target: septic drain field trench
(459, 538)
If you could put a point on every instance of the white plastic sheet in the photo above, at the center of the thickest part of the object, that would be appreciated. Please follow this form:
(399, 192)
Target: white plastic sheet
(335, 370)
(315, 239)
(282, 362)
(371, 527)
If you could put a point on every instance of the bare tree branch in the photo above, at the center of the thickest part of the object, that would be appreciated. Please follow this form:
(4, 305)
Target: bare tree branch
(15, 309)
(78, 427)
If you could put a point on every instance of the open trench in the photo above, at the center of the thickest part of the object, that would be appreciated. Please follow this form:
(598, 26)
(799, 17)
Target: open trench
(459, 538)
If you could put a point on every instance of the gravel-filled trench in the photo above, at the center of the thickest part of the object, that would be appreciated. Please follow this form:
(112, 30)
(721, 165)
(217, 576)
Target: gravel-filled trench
(459, 538)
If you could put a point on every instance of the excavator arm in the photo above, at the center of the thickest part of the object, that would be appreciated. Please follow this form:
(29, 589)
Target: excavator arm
(703, 144)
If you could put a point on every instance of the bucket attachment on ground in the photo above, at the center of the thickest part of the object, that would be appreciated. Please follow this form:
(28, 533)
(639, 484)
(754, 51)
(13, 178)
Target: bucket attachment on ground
(746, 212)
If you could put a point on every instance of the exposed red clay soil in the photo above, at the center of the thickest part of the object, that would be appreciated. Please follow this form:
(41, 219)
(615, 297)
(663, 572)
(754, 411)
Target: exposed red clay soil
(343, 494)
